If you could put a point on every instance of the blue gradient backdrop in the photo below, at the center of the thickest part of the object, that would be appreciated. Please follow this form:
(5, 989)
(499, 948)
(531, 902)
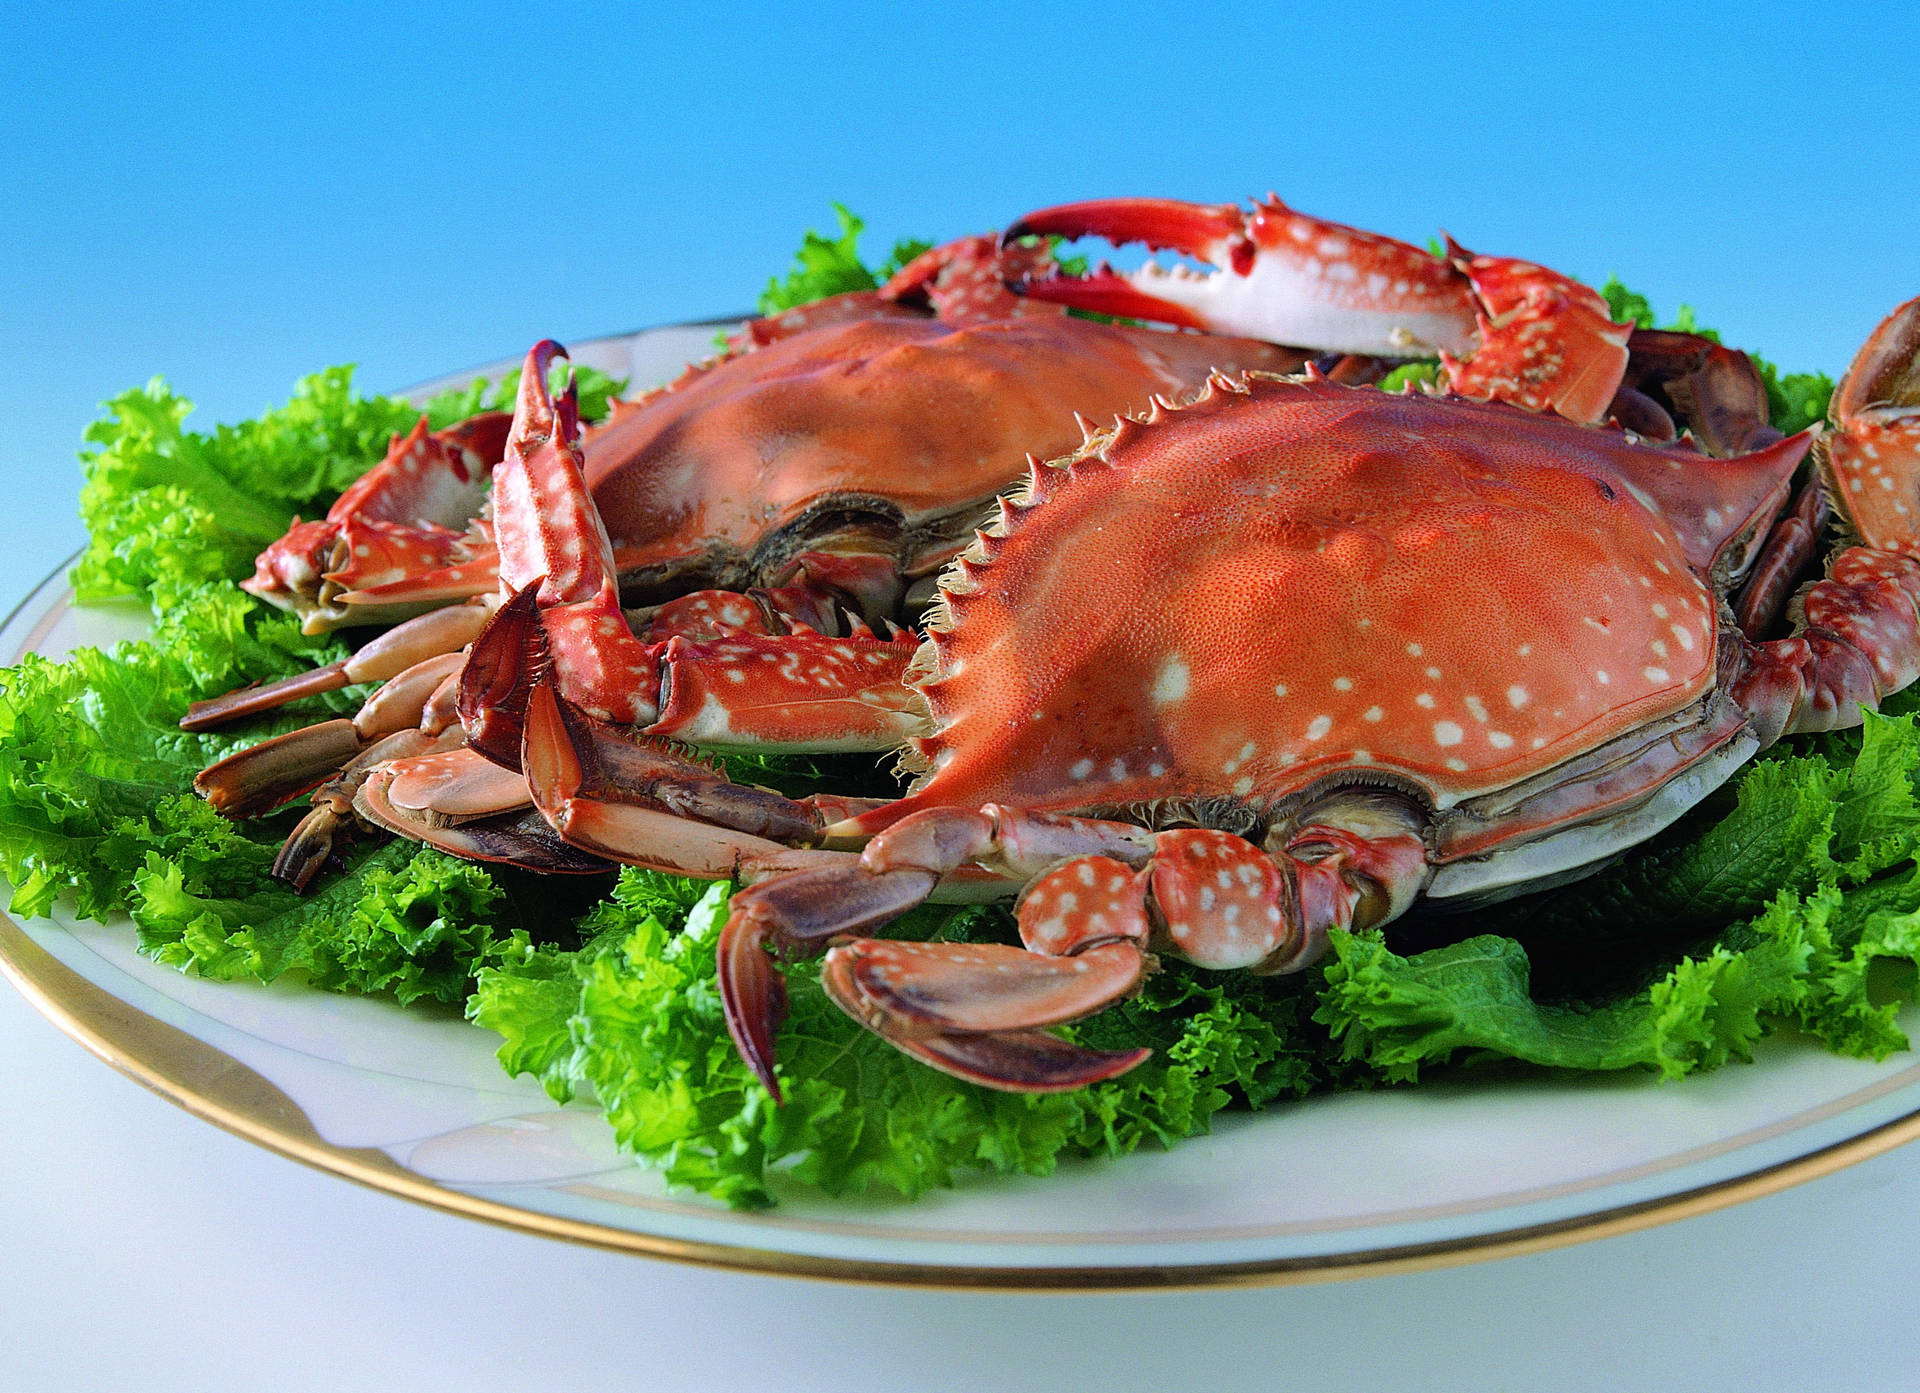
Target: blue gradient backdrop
(238, 197)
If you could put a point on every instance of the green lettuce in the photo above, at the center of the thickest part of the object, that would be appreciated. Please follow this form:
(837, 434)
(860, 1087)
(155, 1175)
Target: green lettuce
(832, 266)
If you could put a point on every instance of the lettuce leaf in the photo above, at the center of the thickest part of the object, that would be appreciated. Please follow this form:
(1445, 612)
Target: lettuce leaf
(832, 266)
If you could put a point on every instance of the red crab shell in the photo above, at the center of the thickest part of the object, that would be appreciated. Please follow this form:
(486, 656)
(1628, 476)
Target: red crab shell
(740, 461)
(1239, 599)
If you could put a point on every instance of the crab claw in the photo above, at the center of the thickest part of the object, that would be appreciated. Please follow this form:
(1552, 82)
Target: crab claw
(1546, 342)
(557, 564)
(411, 515)
(1214, 232)
(505, 661)
(1874, 450)
(1282, 276)
(800, 690)
(1506, 330)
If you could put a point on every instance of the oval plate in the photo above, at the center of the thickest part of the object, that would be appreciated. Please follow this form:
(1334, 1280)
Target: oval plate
(411, 1101)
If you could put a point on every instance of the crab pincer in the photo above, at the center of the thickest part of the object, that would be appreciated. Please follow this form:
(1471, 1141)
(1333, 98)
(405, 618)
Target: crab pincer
(1504, 329)
(401, 538)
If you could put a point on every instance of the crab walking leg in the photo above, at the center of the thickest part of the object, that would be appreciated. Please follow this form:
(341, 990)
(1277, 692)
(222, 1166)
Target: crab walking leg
(1505, 330)
(797, 913)
(423, 637)
(1787, 553)
(639, 801)
(1858, 636)
(261, 777)
(467, 806)
(311, 844)
(1859, 643)
(1095, 893)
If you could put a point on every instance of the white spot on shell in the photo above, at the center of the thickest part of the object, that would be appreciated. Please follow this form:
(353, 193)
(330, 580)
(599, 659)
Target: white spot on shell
(1424, 699)
(1372, 713)
(1447, 733)
(1516, 696)
(1171, 685)
(1343, 684)
(1476, 707)
(1318, 727)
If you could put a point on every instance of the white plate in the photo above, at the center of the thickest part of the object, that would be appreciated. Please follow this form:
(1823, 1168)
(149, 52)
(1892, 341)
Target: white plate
(412, 1101)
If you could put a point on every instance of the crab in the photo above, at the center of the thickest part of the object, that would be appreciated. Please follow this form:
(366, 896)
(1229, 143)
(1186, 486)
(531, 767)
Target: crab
(1297, 741)
(830, 462)
(1190, 694)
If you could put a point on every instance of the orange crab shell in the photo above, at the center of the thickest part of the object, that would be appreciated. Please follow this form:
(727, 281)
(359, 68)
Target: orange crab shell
(707, 473)
(1240, 597)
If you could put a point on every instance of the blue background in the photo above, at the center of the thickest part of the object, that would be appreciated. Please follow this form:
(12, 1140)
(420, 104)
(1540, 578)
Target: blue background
(240, 197)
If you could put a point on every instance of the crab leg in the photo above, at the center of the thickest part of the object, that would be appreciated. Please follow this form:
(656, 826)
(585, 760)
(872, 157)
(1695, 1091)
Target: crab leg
(1098, 893)
(420, 639)
(311, 844)
(467, 806)
(1788, 550)
(277, 770)
(1858, 636)
(1505, 330)
(966, 280)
